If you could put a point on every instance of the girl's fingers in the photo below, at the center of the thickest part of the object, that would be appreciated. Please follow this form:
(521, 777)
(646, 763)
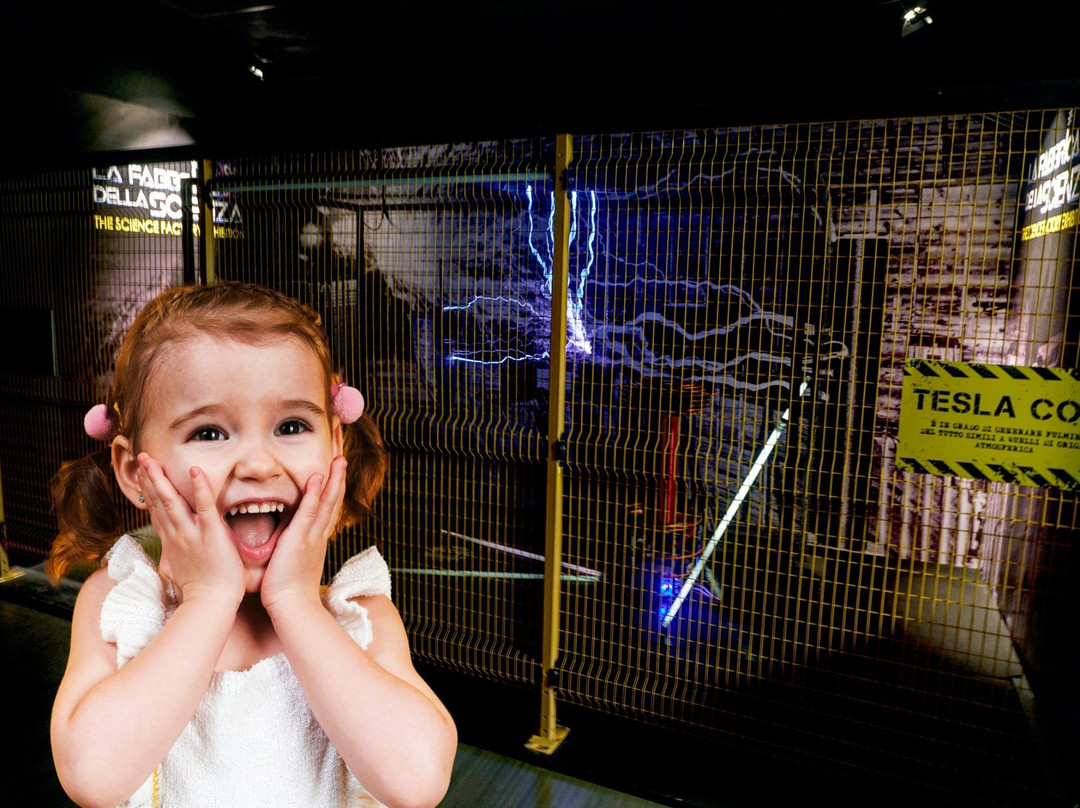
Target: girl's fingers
(330, 498)
(205, 505)
(196, 551)
(318, 509)
(170, 513)
(297, 564)
(161, 497)
(211, 528)
(305, 522)
(317, 513)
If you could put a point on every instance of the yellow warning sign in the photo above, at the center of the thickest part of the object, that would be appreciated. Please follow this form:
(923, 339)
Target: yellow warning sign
(991, 422)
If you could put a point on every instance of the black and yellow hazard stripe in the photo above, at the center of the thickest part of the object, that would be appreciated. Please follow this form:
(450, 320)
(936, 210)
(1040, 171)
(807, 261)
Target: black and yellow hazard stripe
(992, 472)
(933, 368)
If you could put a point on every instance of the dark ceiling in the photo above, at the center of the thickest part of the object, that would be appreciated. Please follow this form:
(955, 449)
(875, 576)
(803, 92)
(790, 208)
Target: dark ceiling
(357, 73)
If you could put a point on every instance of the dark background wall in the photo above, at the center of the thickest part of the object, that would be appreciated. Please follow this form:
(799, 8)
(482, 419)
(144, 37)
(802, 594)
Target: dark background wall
(79, 76)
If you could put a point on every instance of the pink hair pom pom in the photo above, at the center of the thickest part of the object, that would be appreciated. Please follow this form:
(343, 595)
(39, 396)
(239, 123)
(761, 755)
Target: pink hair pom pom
(348, 402)
(97, 424)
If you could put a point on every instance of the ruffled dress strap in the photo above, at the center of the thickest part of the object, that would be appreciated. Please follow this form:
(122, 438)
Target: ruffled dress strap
(134, 610)
(363, 574)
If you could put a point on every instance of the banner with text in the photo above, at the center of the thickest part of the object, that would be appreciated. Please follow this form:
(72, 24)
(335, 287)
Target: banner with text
(152, 199)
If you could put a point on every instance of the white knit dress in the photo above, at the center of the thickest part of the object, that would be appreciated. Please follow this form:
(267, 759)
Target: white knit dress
(253, 740)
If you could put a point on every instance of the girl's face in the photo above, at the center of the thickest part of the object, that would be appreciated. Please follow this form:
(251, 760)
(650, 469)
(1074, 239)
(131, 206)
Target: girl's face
(254, 419)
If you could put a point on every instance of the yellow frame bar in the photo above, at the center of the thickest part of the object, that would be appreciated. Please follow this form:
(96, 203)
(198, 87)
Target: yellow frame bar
(6, 572)
(551, 734)
(206, 218)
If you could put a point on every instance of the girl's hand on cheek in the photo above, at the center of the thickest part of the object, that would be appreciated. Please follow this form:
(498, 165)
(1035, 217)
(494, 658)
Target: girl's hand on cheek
(196, 553)
(295, 570)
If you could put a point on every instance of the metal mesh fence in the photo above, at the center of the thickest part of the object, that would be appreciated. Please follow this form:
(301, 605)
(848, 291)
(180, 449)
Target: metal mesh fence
(748, 550)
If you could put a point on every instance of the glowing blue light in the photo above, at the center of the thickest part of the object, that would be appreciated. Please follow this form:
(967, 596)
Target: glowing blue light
(667, 594)
(578, 337)
(513, 301)
(502, 361)
(542, 249)
(545, 263)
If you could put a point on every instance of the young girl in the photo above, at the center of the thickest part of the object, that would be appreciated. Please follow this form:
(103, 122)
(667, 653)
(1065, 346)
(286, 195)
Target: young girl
(226, 676)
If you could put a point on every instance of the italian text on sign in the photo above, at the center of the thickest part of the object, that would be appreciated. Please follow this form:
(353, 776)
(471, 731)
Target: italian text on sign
(991, 422)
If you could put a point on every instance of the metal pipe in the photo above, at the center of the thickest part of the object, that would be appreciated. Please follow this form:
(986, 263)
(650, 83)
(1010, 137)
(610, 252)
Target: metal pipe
(733, 509)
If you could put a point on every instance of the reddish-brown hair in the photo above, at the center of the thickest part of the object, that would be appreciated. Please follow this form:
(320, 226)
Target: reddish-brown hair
(83, 490)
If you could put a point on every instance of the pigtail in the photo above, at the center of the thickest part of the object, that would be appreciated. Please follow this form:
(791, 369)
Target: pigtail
(367, 458)
(86, 514)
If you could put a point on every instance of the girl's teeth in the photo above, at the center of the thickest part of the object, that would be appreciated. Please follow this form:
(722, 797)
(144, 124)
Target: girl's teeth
(263, 507)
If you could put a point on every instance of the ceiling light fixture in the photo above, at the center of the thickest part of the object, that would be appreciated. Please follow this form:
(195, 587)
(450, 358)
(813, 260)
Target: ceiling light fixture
(262, 60)
(915, 18)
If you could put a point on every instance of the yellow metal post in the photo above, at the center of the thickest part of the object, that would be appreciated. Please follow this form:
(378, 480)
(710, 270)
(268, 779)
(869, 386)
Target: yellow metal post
(206, 216)
(6, 572)
(551, 734)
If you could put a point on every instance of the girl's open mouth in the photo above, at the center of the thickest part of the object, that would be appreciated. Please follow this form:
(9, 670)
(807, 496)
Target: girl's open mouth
(254, 524)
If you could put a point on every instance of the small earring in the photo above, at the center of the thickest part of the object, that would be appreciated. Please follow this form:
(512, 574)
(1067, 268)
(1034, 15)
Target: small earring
(142, 499)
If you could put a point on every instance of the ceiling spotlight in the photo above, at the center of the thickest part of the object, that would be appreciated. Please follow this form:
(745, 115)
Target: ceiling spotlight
(261, 61)
(914, 19)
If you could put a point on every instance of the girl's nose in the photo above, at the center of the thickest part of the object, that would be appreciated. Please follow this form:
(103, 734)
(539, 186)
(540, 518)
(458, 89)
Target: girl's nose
(257, 462)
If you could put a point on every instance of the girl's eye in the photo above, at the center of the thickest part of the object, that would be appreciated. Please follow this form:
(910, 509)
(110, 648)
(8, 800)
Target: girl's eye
(293, 427)
(207, 433)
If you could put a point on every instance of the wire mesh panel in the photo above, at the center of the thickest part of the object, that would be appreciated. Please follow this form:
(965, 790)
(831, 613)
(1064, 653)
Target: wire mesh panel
(751, 298)
(431, 269)
(81, 251)
(707, 245)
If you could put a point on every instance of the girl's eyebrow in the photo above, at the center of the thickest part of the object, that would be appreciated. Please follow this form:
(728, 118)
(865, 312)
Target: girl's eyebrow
(198, 412)
(304, 405)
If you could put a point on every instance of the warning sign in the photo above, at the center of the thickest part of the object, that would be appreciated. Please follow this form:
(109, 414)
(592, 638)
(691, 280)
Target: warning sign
(991, 422)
